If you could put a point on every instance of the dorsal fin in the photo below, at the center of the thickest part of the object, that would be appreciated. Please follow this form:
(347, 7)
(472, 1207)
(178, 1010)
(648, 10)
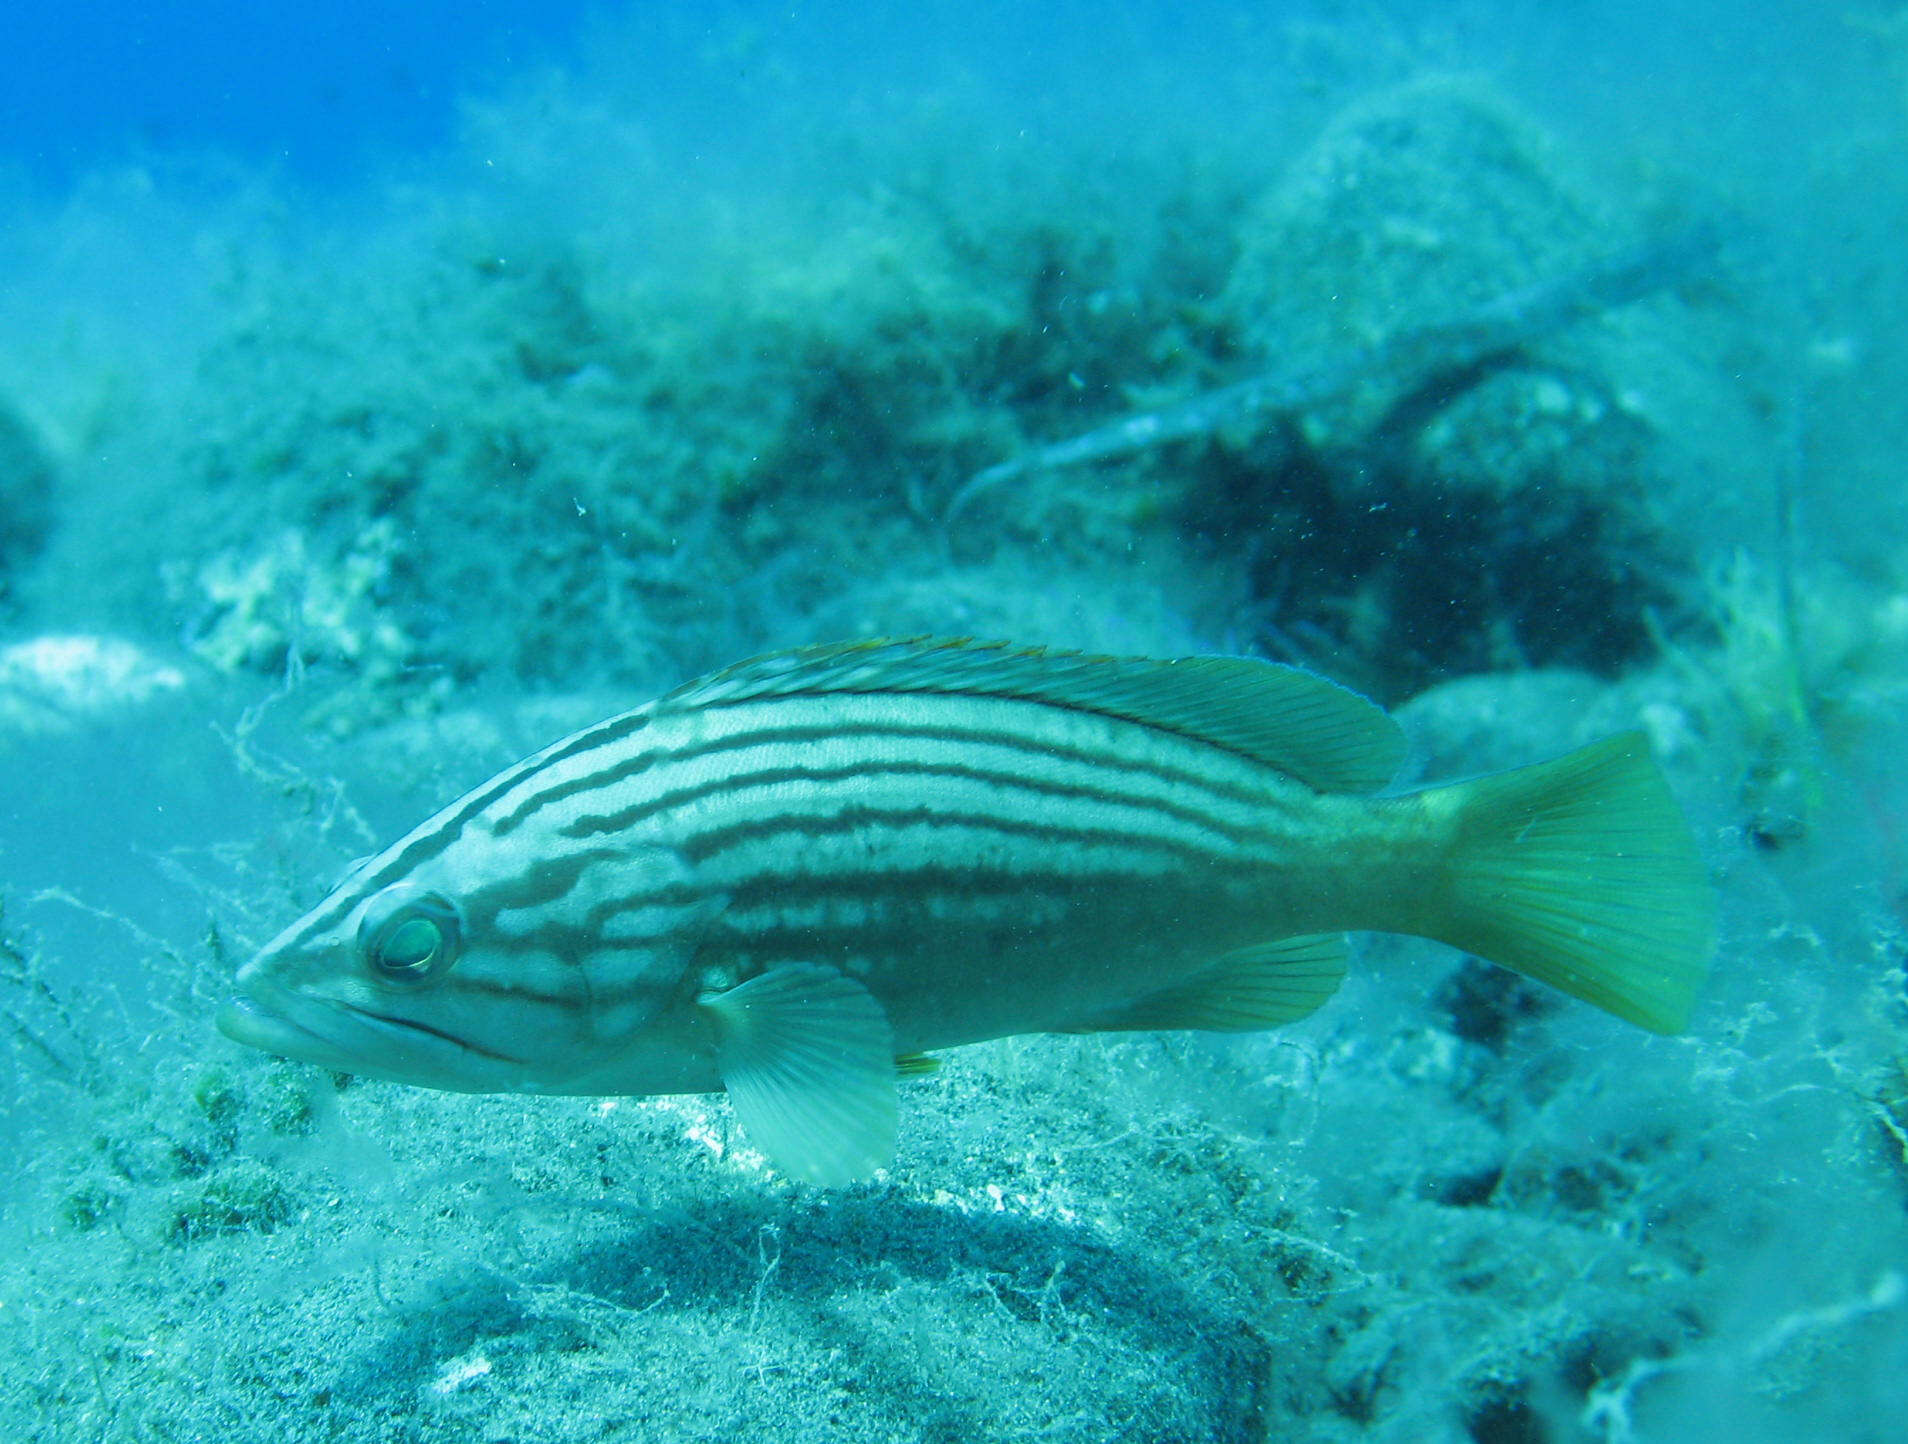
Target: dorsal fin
(1306, 726)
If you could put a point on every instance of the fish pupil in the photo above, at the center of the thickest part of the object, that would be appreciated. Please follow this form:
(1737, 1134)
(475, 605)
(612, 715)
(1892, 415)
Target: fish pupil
(410, 947)
(411, 937)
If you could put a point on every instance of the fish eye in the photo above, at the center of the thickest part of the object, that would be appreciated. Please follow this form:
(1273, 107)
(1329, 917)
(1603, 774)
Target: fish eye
(409, 936)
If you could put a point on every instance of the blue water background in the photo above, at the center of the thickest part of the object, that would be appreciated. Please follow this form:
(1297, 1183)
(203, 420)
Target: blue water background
(322, 92)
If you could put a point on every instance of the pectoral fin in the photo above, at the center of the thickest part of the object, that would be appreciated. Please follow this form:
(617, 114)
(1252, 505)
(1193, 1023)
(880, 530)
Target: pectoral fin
(1253, 988)
(808, 1059)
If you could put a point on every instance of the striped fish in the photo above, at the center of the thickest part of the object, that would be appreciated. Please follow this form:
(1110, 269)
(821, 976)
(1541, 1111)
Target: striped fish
(793, 878)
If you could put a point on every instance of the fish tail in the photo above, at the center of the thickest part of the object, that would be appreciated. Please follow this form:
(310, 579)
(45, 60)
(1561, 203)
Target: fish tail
(1582, 873)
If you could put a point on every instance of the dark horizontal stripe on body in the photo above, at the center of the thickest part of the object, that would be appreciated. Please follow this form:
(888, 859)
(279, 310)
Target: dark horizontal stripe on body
(544, 881)
(891, 934)
(938, 878)
(854, 817)
(913, 888)
(614, 734)
(428, 843)
(662, 802)
(808, 733)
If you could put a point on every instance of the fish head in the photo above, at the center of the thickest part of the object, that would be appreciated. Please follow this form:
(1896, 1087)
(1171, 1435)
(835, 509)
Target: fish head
(458, 973)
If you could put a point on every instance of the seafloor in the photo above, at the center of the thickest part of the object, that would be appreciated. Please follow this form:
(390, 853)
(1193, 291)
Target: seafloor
(403, 493)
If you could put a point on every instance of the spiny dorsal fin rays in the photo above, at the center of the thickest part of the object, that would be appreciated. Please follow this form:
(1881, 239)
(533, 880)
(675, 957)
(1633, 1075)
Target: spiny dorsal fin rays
(1309, 728)
(808, 1059)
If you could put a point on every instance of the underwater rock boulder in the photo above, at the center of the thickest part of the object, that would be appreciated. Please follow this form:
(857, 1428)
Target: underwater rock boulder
(1415, 205)
(1532, 507)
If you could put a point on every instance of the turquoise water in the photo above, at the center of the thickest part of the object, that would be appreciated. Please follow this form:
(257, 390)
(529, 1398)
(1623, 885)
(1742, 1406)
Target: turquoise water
(383, 396)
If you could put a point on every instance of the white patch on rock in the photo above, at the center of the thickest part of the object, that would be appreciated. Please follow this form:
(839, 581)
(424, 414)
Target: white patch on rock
(56, 682)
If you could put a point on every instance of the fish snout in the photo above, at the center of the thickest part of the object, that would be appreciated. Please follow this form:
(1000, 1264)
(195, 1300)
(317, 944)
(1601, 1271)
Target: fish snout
(247, 1016)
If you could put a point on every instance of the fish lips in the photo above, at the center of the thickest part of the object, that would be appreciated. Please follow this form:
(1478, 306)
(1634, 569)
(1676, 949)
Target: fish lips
(338, 1035)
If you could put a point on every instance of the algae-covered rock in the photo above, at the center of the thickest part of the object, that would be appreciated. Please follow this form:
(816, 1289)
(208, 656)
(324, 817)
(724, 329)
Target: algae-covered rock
(528, 457)
(1422, 206)
(1528, 505)
(385, 455)
(26, 493)
(242, 1195)
(272, 601)
(1415, 206)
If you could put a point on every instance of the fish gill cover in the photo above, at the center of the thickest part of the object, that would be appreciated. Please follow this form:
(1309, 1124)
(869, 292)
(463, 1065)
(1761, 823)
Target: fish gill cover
(329, 484)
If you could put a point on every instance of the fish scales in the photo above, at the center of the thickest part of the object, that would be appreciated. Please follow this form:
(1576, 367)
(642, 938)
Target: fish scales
(799, 724)
(846, 811)
(779, 878)
(986, 788)
(762, 776)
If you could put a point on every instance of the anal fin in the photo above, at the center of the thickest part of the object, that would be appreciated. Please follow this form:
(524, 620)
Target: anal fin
(1262, 986)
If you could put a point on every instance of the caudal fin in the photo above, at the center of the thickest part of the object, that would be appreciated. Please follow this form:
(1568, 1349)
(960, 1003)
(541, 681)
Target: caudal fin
(1582, 873)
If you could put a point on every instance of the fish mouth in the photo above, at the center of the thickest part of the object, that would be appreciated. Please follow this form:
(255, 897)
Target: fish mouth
(335, 1034)
(245, 1020)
